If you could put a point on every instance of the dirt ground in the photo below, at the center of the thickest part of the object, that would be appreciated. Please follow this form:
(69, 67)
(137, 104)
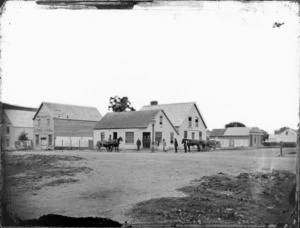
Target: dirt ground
(90, 183)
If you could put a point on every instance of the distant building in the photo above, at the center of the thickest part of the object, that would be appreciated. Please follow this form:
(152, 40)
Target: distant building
(288, 135)
(135, 125)
(186, 118)
(238, 136)
(15, 120)
(64, 126)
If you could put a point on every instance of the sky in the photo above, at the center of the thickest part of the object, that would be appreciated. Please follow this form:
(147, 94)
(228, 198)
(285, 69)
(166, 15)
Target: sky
(225, 56)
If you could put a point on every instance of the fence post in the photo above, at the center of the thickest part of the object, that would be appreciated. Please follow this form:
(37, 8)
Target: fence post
(281, 144)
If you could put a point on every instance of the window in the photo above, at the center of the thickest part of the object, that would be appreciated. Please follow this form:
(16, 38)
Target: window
(286, 132)
(196, 121)
(185, 135)
(7, 143)
(37, 140)
(39, 122)
(190, 121)
(161, 120)
(7, 130)
(102, 137)
(48, 122)
(193, 135)
(49, 140)
(158, 137)
(172, 137)
(200, 135)
(129, 137)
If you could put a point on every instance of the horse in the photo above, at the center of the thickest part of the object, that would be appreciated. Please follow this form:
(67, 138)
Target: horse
(115, 144)
(104, 144)
(191, 142)
(109, 145)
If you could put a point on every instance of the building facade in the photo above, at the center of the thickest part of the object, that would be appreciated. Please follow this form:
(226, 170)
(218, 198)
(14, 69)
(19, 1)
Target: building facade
(288, 135)
(186, 118)
(15, 120)
(64, 126)
(238, 137)
(135, 125)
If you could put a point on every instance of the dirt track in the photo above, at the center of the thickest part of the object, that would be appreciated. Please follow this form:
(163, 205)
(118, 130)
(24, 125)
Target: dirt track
(108, 184)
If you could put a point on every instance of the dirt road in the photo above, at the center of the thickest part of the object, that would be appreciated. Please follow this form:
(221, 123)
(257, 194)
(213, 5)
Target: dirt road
(88, 183)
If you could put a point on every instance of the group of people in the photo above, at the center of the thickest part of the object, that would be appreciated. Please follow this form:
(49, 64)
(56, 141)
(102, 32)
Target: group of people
(138, 144)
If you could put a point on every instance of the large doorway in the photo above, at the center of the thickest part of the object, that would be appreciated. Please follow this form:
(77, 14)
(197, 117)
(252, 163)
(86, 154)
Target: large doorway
(44, 143)
(115, 135)
(146, 140)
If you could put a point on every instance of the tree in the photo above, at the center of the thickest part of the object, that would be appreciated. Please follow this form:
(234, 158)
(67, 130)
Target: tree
(118, 104)
(265, 135)
(235, 124)
(23, 136)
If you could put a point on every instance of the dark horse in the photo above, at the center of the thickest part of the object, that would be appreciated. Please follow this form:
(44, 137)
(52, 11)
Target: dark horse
(191, 142)
(109, 145)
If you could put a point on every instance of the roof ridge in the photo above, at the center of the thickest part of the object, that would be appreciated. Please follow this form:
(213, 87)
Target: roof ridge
(81, 106)
(190, 102)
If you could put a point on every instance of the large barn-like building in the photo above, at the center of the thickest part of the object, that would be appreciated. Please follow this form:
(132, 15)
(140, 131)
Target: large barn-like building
(135, 125)
(64, 126)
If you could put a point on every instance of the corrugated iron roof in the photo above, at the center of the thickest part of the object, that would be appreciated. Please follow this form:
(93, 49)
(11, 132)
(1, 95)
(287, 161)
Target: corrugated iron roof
(72, 112)
(217, 132)
(20, 118)
(124, 120)
(237, 131)
(177, 112)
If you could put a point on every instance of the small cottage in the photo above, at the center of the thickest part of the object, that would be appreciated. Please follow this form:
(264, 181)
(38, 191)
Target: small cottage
(135, 125)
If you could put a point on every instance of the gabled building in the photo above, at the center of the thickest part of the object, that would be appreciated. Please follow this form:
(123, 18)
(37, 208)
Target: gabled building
(135, 125)
(288, 135)
(64, 126)
(186, 118)
(238, 136)
(15, 120)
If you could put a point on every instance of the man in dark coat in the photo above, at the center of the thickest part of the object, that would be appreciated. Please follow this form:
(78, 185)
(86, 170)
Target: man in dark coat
(175, 145)
(184, 141)
(138, 143)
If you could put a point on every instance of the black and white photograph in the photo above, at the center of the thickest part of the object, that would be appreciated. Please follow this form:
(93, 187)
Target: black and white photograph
(149, 113)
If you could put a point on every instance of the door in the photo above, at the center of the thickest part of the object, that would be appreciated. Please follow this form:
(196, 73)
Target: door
(115, 135)
(146, 140)
(44, 143)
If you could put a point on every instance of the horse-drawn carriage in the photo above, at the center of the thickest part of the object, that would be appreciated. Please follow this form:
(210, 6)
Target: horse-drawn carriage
(201, 145)
(109, 145)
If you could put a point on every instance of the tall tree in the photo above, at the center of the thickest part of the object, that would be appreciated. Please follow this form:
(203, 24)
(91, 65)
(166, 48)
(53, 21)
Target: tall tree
(235, 124)
(265, 135)
(118, 104)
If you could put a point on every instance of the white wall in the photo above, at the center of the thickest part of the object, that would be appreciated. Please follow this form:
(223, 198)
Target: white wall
(166, 128)
(185, 127)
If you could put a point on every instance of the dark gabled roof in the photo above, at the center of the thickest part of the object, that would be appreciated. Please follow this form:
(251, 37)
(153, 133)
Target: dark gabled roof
(123, 120)
(128, 120)
(71, 112)
(177, 112)
(217, 132)
(17, 107)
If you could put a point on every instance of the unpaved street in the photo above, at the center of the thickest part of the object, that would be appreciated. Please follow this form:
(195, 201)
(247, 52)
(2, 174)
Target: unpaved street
(90, 183)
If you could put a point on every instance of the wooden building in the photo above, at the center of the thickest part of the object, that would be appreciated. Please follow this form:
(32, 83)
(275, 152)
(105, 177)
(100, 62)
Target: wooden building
(186, 118)
(15, 120)
(64, 126)
(135, 125)
(288, 135)
(238, 136)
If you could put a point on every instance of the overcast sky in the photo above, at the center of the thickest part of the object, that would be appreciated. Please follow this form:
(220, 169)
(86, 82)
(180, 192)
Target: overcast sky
(225, 56)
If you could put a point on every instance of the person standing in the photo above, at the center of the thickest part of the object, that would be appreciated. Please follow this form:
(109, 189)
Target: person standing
(138, 143)
(176, 145)
(164, 145)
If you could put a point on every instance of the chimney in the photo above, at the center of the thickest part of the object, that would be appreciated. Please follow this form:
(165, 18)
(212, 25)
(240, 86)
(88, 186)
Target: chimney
(153, 103)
